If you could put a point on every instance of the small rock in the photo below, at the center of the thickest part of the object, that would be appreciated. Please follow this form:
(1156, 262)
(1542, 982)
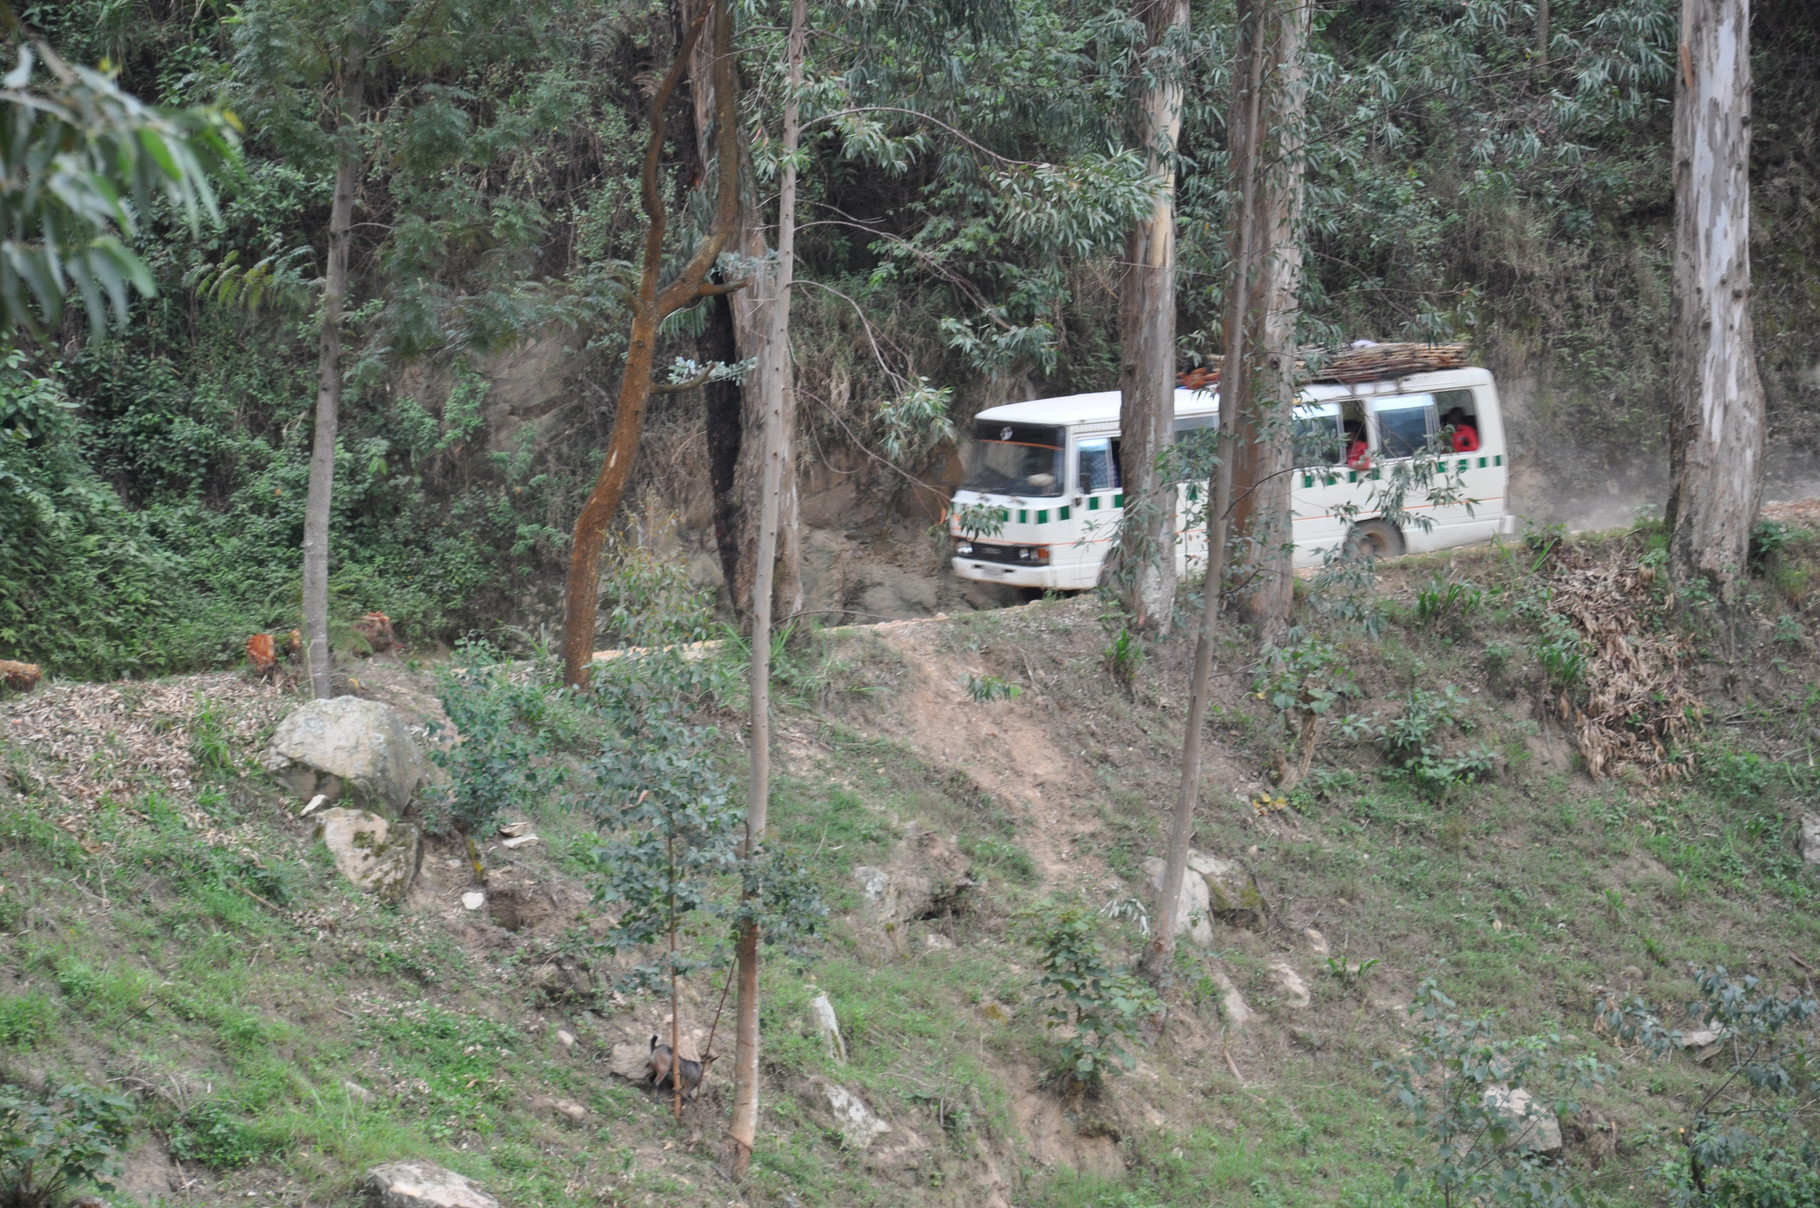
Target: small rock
(1233, 1007)
(1317, 943)
(1703, 1044)
(511, 830)
(1810, 838)
(1630, 971)
(995, 1012)
(423, 1185)
(936, 942)
(474, 899)
(859, 1125)
(520, 841)
(357, 1092)
(821, 1010)
(1295, 990)
(630, 1060)
(1536, 1127)
(1232, 896)
(561, 1107)
(378, 856)
(316, 803)
(565, 1038)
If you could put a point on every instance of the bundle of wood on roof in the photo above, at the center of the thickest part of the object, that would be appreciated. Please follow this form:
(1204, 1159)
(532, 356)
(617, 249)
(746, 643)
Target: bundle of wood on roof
(1368, 364)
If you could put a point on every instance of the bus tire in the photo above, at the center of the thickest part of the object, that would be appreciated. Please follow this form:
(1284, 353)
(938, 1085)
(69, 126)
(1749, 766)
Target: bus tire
(1375, 539)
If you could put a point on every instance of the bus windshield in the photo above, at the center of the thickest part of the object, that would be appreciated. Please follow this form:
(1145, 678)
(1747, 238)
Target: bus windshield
(1014, 459)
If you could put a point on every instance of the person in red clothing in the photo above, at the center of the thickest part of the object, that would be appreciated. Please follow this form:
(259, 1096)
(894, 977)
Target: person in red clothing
(1358, 453)
(1465, 436)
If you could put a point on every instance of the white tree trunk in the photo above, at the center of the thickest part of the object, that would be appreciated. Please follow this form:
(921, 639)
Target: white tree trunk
(1261, 406)
(776, 390)
(319, 502)
(1146, 561)
(1716, 425)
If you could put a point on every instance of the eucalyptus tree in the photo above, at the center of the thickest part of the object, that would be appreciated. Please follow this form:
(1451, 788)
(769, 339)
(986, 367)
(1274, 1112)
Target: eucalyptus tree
(1257, 387)
(1147, 317)
(1716, 425)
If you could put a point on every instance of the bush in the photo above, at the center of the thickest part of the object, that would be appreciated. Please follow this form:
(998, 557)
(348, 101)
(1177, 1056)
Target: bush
(1099, 1004)
(56, 1142)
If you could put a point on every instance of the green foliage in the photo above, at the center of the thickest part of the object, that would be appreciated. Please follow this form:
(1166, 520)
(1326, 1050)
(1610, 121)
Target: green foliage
(84, 164)
(1449, 1084)
(1304, 679)
(1447, 603)
(1749, 1139)
(1096, 1005)
(984, 689)
(216, 1133)
(1124, 657)
(496, 757)
(25, 1019)
(53, 1143)
(980, 520)
(914, 422)
(1419, 741)
(1563, 654)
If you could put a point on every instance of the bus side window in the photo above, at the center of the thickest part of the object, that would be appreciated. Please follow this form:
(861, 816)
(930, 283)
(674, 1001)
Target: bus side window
(1099, 464)
(1405, 424)
(1317, 439)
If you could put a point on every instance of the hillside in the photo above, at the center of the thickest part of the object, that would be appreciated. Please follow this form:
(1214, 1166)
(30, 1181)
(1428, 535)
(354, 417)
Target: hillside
(171, 932)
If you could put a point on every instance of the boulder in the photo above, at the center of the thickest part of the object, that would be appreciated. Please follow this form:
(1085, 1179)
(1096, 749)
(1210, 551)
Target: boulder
(1534, 1127)
(423, 1185)
(858, 1124)
(1232, 896)
(1810, 838)
(348, 749)
(630, 1060)
(378, 856)
(1191, 910)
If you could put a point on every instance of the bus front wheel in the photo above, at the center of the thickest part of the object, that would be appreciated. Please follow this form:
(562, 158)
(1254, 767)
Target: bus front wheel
(1374, 539)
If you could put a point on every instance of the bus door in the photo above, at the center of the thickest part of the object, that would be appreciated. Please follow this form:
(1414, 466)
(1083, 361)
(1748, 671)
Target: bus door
(1099, 493)
(1191, 459)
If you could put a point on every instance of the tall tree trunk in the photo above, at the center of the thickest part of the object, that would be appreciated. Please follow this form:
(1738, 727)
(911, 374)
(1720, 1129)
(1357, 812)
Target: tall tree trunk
(776, 389)
(1261, 404)
(736, 412)
(1244, 117)
(650, 306)
(319, 503)
(1716, 422)
(1146, 562)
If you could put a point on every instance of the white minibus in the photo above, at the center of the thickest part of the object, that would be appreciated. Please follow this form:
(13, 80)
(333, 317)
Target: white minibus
(1045, 475)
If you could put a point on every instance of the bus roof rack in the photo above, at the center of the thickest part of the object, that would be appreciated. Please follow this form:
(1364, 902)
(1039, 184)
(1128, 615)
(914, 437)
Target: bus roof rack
(1371, 363)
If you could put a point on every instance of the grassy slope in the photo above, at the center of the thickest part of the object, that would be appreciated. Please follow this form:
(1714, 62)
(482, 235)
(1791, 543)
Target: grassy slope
(279, 1033)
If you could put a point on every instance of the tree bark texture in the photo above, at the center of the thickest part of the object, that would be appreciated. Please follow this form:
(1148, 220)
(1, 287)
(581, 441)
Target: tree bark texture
(650, 306)
(737, 412)
(1261, 402)
(776, 389)
(1716, 422)
(319, 503)
(1147, 533)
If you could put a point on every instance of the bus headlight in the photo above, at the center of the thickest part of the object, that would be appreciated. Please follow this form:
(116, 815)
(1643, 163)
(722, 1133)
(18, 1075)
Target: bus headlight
(1034, 554)
(963, 549)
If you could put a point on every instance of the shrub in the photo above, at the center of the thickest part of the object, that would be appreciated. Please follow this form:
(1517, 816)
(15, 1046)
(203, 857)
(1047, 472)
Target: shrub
(1100, 1004)
(58, 1141)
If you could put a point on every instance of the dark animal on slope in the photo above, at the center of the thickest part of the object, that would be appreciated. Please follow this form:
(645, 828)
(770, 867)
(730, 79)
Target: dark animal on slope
(657, 1069)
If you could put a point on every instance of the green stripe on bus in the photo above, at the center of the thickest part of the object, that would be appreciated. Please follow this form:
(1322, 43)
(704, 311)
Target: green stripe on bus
(1093, 503)
(1194, 492)
(1118, 501)
(1307, 481)
(1023, 517)
(1498, 460)
(1042, 517)
(1065, 514)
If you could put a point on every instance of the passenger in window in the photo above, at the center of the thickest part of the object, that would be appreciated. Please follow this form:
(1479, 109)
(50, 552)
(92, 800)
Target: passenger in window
(1465, 436)
(1358, 453)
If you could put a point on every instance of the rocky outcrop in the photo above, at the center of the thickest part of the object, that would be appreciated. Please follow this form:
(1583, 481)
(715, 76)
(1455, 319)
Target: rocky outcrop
(1810, 838)
(857, 1123)
(423, 1185)
(348, 749)
(1232, 895)
(927, 878)
(378, 856)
